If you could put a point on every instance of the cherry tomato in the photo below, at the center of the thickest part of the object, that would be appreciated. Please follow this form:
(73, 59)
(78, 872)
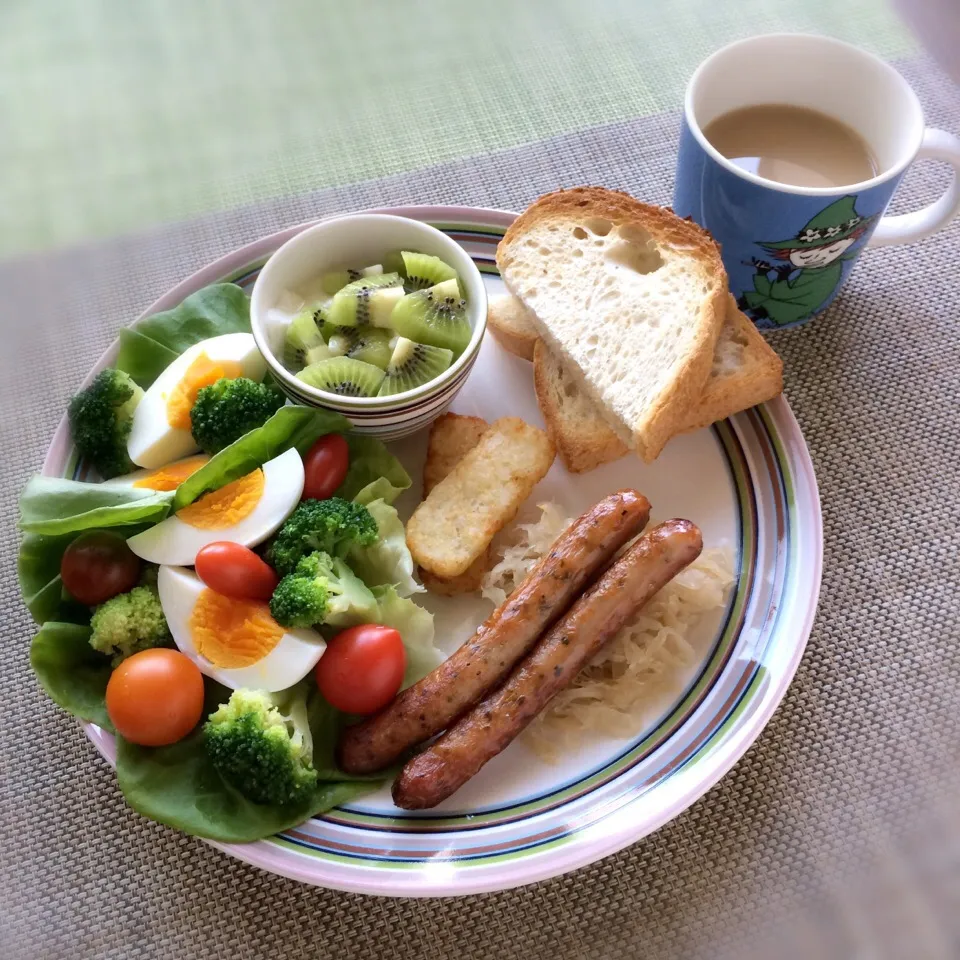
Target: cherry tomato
(155, 697)
(235, 571)
(362, 668)
(97, 566)
(325, 466)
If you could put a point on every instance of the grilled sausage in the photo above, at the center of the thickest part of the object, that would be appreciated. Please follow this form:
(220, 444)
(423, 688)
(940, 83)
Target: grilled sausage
(481, 733)
(549, 588)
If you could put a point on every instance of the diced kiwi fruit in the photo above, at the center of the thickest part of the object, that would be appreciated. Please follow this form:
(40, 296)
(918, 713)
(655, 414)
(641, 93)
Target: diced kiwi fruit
(367, 301)
(315, 354)
(336, 280)
(369, 344)
(393, 263)
(419, 270)
(344, 376)
(412, 364)
(436, 316)
(422, 270)
(302, 335)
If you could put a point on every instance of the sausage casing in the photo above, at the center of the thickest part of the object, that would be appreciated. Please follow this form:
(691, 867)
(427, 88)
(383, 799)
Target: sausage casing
(484, 731)
(545, 594)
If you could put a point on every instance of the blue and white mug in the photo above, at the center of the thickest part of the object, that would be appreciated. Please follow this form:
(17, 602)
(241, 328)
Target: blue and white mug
(788, 249)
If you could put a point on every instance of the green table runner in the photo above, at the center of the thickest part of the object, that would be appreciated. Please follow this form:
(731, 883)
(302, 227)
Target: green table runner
(115, 115)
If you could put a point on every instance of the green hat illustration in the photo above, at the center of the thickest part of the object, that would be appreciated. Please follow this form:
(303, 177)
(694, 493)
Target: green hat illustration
(833, 223)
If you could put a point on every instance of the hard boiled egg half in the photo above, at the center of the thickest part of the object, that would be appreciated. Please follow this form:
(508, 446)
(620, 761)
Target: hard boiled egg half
(246, 511)
(161, 423)
(236, 642)
(163, 478)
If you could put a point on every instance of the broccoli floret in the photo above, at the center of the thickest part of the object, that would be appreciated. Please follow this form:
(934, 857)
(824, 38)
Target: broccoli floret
(330, 526)
(229, 408)
(321, 589)
(260, 743)
(100, 420)
(129, 622)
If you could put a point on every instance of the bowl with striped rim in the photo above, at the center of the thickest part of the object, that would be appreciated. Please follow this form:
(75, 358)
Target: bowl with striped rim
(357, 240)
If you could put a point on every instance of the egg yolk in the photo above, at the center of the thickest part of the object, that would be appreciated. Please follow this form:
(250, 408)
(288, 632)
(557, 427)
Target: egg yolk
(201, 373)
(224, 507)
(232, 633)
(171, 476)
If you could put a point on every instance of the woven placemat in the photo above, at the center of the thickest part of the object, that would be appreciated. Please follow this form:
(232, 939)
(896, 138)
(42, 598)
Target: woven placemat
(838, 832)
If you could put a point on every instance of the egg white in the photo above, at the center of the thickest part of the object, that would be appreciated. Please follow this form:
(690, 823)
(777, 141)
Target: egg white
(287, 663)
(153, 442)
(175, 542)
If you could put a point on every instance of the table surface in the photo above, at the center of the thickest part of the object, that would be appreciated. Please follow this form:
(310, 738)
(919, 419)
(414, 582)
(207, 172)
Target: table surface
(144, 140)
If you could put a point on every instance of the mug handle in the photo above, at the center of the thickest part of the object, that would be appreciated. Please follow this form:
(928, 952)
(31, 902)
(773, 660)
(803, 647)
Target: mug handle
(907, 227)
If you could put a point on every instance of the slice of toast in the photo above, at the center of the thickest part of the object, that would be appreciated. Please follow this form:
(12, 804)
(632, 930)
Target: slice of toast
(511, 326)
(583, 438)
(452, 437)
(629, 297)
(746, 371)
(462, 514)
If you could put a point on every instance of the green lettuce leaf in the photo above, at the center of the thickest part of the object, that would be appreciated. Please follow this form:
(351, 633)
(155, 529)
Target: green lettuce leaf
(416, 630)
(178, 786)
(326, 722)
(53, 506)
(210, 312)
(38, 571)
(142, 358)
(71, 672)
(289, 427)
(372, 463)
(388, 561)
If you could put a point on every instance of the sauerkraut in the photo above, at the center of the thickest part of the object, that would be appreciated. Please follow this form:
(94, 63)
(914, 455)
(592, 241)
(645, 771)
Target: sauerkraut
(529, 542)
(647, 659)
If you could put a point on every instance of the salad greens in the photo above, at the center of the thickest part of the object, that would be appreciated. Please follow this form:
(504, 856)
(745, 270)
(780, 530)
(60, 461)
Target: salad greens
(141, 358)
(179, 786)
(289, 427)
(415, 626)
(38, 570)
(53, 506)
(211, 312)
(387, 561)
(72, 673)
(372, 463)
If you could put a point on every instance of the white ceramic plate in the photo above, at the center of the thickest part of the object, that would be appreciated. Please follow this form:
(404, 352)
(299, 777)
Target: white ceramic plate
(747, 482)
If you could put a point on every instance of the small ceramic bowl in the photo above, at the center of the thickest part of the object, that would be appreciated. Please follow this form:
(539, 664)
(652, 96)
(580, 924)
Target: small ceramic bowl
(356, 241)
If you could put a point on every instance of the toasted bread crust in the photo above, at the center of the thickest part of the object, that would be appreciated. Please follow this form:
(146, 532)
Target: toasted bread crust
(667, 415)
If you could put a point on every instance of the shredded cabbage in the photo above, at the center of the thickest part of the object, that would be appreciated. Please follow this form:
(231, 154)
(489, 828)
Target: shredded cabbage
(611, 696)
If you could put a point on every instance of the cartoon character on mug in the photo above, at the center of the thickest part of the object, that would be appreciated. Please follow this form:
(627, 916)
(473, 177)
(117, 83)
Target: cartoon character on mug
(810, 268)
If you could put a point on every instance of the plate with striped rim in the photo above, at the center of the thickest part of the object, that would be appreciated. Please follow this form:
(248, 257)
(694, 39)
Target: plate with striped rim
(748, 482)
